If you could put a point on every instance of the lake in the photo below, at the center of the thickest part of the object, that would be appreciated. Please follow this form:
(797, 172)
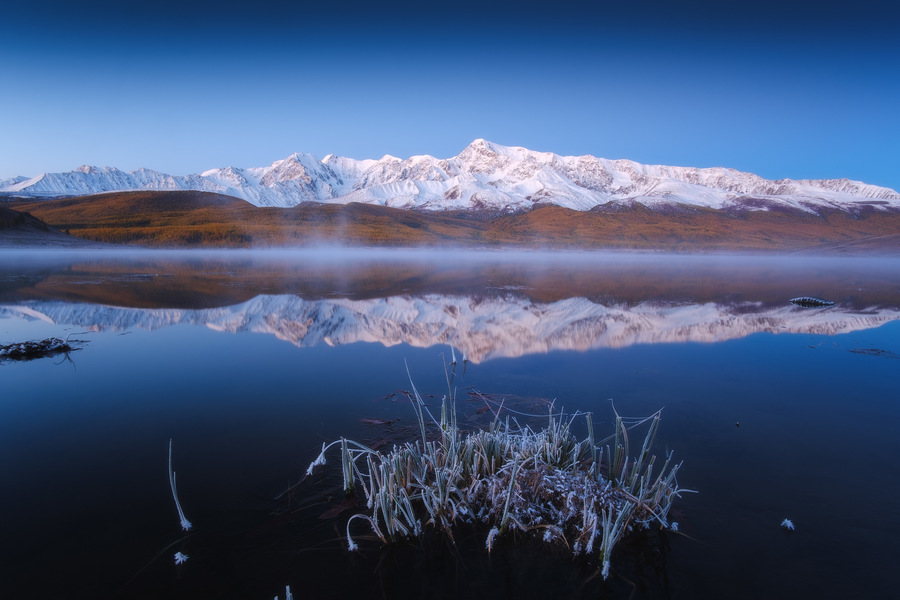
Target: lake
(249, 361)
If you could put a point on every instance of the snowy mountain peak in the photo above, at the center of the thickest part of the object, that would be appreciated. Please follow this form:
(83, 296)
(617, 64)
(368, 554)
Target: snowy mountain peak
(5, 183)
(296, 158)
(485, 175)
(482, 151)
(485, 148)
(480, 146)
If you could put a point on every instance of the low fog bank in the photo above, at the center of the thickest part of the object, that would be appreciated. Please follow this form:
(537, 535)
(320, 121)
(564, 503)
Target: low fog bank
(207, 278)
(334, 260)
(438, 256)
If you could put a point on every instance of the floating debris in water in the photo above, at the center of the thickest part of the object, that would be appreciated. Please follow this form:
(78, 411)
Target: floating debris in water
(788, 524)
(511, 477)
(811, 302)
(180, 558)
(875, 352)
(334, 511)
(374, 421)
(32, 350)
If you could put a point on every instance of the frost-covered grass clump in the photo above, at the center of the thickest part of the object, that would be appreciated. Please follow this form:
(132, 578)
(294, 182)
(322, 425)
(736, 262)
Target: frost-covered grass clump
(512, 478)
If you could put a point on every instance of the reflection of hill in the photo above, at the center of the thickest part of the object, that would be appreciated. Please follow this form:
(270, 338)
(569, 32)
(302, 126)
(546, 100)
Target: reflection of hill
(145, 279)
(483, 328)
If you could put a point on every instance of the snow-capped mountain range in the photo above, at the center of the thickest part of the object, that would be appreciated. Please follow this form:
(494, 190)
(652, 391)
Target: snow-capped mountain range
(483, 176)
(480, 328)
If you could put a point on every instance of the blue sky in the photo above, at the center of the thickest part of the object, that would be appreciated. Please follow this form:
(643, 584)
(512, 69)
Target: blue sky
(783, 89)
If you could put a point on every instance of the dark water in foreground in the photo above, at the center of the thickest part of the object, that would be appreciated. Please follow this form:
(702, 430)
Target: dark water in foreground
(250, 362)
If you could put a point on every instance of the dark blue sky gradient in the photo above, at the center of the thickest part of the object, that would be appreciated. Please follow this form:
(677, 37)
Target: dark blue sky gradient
(802, 90)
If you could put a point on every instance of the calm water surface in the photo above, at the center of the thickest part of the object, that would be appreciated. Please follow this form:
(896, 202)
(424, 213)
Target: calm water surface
(249, 361)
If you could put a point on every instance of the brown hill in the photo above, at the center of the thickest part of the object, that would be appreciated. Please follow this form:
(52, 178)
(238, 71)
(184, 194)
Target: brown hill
(696, 228)
(156, 218)
(205, 219)
(14, 219)
(20, 229)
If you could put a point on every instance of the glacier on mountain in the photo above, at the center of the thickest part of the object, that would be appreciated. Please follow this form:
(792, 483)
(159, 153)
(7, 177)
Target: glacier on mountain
(484, 176)
(482, 328)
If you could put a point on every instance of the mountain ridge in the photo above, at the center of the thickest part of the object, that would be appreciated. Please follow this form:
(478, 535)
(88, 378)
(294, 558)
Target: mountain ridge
(484, 176)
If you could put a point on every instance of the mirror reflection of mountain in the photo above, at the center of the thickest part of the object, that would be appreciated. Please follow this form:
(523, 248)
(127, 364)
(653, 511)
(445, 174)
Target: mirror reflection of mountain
(479, 327)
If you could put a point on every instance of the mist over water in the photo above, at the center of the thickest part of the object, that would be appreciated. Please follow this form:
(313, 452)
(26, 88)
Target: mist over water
(379, 272)
(251, 360)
